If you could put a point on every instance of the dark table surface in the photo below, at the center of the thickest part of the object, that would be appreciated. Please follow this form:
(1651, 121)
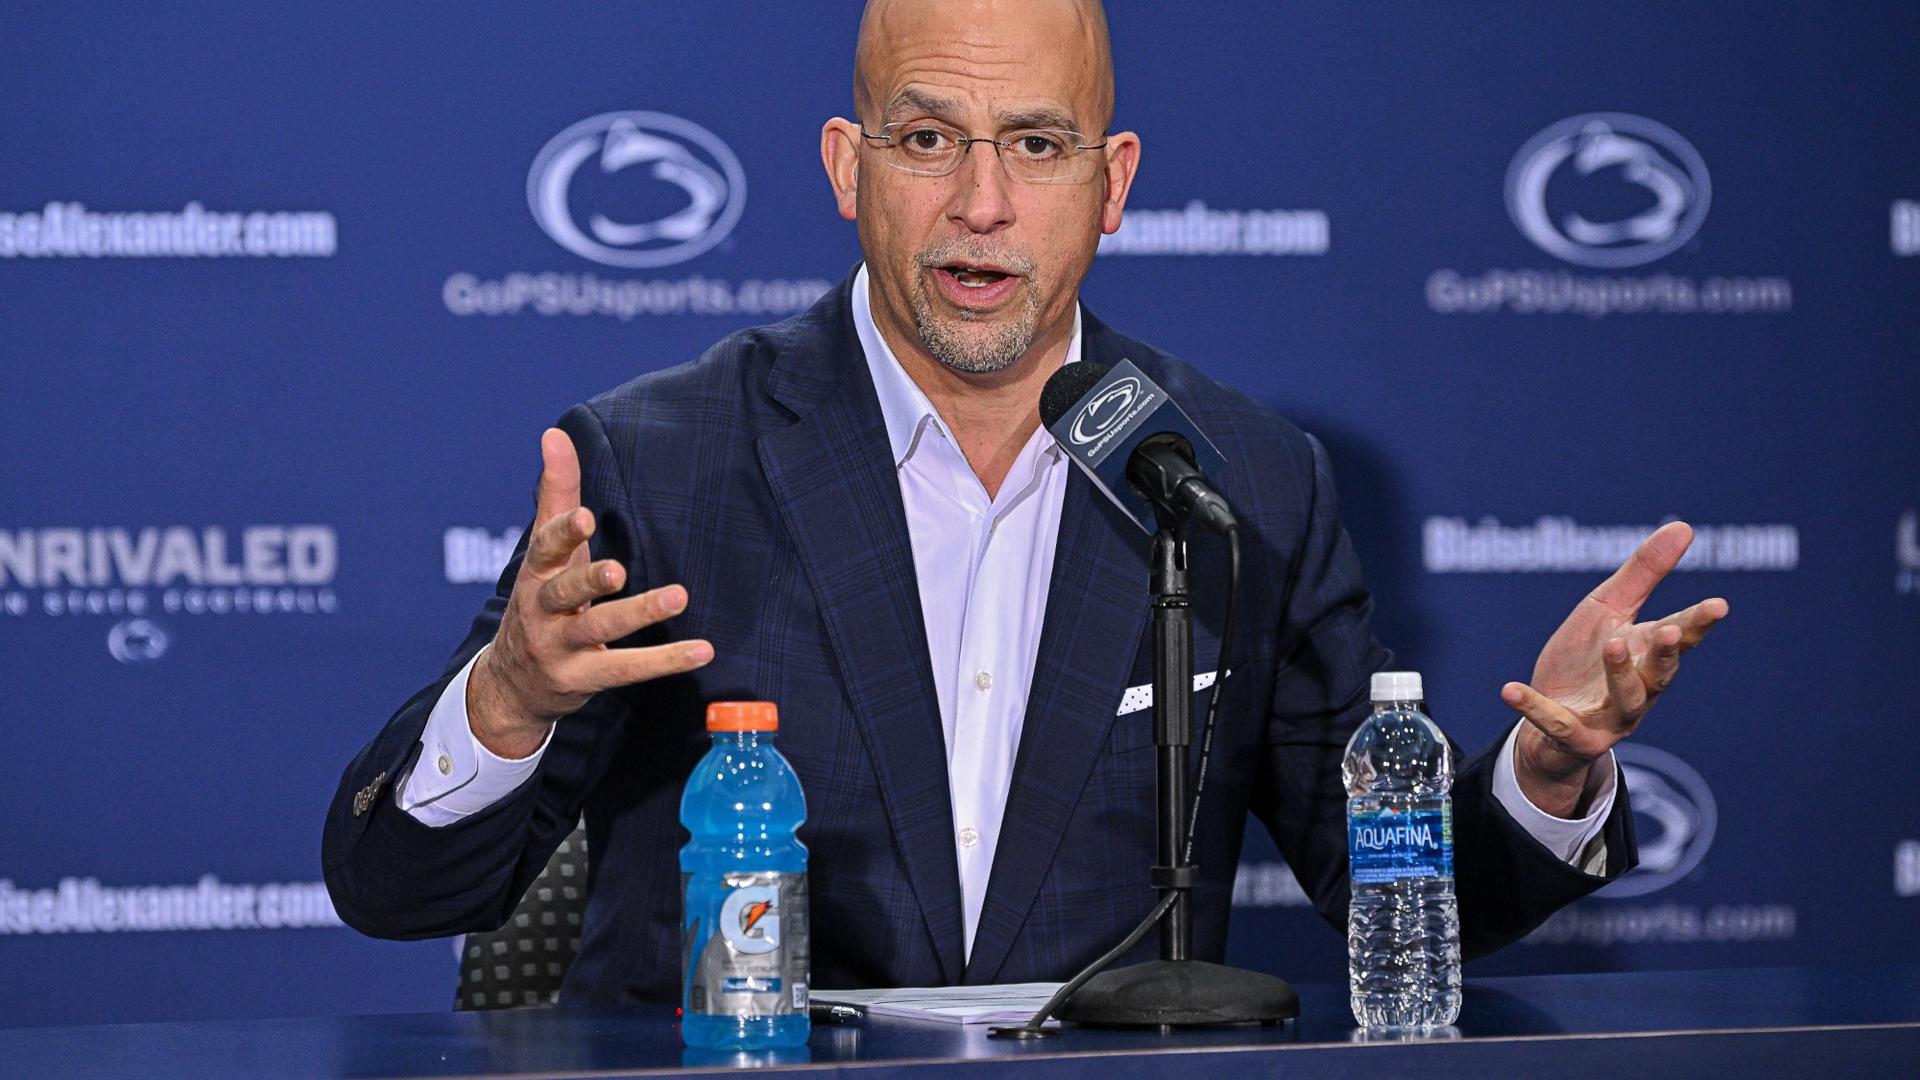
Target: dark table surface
(1732, 1022)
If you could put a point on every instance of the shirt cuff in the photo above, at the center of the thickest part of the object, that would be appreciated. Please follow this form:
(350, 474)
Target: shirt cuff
(1565, 837)
(455, 776)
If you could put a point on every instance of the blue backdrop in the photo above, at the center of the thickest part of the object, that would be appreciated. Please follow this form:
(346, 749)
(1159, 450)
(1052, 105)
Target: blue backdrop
(286, 296)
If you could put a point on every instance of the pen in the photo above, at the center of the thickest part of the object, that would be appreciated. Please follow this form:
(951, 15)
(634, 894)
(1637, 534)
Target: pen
(827, 1013)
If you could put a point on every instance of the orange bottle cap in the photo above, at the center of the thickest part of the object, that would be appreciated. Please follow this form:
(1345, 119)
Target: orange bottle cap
(743, 716)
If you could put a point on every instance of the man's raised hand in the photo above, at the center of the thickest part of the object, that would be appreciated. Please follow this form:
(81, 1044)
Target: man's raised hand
(1600, 672)
(551, 654)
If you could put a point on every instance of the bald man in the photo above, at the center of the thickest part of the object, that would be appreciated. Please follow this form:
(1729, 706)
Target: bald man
(857, 515)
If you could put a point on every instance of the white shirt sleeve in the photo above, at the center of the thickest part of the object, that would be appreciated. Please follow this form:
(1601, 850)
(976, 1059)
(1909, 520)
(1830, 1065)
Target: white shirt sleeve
(454, 776)
(1566, 838)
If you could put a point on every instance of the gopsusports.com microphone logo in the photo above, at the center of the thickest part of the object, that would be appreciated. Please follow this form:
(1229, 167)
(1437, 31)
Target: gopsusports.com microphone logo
(1106, 411)
(665, 190)
(1101, 416)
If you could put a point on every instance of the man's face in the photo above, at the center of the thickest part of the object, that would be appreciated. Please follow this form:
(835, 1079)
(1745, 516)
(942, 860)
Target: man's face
(978, 265)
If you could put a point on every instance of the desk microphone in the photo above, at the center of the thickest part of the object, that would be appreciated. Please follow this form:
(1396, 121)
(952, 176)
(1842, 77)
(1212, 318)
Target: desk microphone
(1135, 444)
(1143, 451)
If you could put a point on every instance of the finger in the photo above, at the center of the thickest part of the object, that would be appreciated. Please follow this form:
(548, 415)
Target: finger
(615, 619)
(1695, 621)
(1657, 668)
(1653, 560)
(559, 542)
(559, 476)
(624, 667)
(1624, 687)
(579, 585)
(1553, 719)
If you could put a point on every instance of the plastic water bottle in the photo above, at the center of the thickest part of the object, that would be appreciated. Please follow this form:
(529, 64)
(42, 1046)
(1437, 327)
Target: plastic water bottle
(1403, 926)
(744, 879)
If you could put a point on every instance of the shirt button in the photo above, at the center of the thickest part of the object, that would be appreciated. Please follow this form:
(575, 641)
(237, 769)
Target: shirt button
(969, 836)
(444, 764)
(984, 680)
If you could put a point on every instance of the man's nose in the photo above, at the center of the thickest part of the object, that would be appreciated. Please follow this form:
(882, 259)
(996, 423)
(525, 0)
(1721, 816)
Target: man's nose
(983, 198)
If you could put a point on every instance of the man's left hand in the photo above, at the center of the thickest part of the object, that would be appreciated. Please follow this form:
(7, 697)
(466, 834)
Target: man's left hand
(1599, 674)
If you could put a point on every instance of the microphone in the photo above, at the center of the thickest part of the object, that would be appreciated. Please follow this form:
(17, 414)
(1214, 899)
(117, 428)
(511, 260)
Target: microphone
(1135, 444)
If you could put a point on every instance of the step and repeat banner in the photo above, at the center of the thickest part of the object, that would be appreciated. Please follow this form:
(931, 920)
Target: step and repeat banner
(287, 294)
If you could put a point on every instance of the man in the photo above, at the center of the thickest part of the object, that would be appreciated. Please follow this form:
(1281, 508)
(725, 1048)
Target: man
(855, 514)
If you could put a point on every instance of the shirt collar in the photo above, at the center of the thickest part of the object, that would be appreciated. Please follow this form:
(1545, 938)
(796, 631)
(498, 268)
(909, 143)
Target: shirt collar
(903, 405)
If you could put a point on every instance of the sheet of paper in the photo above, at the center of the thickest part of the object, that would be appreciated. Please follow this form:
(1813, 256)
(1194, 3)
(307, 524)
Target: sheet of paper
(1007, 1003)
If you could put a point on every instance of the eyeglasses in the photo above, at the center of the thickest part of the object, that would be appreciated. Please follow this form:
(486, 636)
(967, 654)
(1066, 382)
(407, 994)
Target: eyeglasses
(1034, 155)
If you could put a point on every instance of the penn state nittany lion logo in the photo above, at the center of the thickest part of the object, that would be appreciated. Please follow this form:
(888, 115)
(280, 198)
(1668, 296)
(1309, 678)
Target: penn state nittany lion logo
(1674, 818)
(1608, 190)
(1099, 416)
(680, 190)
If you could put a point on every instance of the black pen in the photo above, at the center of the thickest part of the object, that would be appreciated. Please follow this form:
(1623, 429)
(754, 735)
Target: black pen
(822, 1012)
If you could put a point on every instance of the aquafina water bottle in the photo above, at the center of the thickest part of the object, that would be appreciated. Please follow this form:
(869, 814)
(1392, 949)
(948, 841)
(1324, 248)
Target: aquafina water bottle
(1403, 925)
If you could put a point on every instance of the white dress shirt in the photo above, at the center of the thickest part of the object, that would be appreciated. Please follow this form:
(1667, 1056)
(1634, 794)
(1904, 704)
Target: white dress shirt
(984, 566)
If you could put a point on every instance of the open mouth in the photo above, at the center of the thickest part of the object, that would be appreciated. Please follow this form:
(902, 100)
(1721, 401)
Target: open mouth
(975, 277)
(976, 286)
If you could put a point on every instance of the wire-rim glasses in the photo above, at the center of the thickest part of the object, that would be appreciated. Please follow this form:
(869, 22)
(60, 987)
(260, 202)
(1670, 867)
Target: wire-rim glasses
(1031, 155)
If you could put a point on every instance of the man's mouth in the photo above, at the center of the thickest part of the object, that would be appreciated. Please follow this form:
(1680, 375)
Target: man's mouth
(974, 285)
(975, 275)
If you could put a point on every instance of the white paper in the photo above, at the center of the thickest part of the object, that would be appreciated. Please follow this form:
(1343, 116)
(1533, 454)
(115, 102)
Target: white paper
(1006, 1003)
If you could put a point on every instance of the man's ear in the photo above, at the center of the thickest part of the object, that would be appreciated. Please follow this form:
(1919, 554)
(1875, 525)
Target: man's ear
(1122, 160)
(840, 153)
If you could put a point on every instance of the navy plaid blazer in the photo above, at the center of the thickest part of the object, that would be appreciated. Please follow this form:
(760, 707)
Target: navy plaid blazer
(759, 477)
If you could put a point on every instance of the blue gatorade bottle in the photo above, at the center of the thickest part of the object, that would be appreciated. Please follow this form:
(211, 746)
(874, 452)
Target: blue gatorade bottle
(744, 888)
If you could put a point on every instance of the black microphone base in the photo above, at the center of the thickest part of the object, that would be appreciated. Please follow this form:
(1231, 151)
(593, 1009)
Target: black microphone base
(1180, 993)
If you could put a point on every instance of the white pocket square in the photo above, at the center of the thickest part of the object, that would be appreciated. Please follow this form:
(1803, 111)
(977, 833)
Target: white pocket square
(1138, 698)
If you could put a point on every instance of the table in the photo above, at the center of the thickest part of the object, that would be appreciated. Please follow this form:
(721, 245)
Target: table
(1731, 1022)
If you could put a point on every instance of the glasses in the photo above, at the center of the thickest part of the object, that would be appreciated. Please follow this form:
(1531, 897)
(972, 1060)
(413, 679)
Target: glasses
(1034, 155)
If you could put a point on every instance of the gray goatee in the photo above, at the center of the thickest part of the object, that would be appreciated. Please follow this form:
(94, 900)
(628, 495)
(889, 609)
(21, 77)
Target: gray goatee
(965, 344)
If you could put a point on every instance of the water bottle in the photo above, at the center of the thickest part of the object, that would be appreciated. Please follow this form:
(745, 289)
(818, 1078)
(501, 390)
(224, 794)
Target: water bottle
(1403, 925)
(744, 882)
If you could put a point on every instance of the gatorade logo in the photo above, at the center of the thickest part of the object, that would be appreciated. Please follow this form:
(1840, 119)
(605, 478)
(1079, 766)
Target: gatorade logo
(750, 919)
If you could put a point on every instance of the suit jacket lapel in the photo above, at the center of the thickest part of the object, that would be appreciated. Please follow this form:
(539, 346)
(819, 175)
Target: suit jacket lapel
(832, 476)
(1097, 612)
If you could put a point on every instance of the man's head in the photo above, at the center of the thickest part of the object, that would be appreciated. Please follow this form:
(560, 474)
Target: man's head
(981, 266)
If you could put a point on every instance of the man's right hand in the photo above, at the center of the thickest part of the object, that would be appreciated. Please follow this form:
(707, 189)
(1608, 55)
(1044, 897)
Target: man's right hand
(550, 654)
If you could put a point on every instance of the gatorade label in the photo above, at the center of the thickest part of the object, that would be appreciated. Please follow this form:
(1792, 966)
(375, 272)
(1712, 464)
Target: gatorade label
(1391, 844)
(746, 943)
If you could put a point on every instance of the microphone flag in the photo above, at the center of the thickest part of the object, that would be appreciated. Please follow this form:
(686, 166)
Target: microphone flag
(1100, 428)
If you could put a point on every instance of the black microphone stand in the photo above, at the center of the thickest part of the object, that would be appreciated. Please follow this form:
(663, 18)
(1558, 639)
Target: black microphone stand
(1176, 990)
